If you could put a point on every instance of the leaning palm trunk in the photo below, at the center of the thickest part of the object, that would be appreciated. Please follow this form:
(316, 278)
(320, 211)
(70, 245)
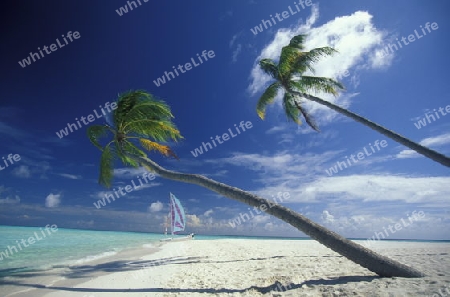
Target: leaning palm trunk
(379, 264)
(435, 156)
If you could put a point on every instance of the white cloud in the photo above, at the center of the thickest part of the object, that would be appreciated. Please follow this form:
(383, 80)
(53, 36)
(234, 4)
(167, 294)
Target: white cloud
(431, 142)
(70, 176)
(193, 221)
(436, 141)
(130, 173)
(208, 213)
(236, 52)
(156, 206)
(370, 187)
(233, 39)
(22, 171)
(237, 48)
(327, 217)
(53, 200)
(407, 154)
(9, 200)
(145, 186)
(303, 176)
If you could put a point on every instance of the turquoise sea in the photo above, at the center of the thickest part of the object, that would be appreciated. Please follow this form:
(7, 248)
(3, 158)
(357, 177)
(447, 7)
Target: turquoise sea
(73, 246)
(63, 247)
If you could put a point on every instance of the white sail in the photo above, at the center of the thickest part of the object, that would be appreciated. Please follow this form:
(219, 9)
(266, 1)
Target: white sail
(177, 215)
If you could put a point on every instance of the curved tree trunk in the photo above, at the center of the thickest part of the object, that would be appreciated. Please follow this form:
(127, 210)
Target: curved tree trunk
(379, 264)
(435, 156)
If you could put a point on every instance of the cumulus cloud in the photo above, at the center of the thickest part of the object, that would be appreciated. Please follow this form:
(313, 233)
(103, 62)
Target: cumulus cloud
(193, 221)
(156, 206)
(53, 200)
(327, 217)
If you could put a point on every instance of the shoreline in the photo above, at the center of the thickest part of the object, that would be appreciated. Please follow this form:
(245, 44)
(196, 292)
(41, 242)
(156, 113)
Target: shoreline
(245, 267)
(71, 275)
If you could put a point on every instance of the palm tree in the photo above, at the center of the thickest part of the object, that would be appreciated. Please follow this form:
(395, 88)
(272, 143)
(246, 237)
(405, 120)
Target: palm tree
(288, 73)
(140, 116)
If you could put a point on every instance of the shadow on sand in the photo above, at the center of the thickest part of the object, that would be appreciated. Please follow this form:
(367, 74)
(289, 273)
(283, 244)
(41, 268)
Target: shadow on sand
(86, 271)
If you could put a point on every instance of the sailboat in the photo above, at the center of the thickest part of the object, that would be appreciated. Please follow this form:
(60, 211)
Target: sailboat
(177, 220)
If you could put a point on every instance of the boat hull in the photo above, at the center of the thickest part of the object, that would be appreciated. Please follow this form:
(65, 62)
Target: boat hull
(184, 238)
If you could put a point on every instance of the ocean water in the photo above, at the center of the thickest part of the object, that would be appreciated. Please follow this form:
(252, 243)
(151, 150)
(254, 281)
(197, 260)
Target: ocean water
(63, 247)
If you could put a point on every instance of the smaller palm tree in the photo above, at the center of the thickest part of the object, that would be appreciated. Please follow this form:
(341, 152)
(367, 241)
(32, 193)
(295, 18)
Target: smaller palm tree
(139, 117)
(289, 77)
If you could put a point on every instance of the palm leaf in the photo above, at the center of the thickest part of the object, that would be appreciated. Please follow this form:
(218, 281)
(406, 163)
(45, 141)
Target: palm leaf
(153, 109)
(269, 67)
(106, 167)
(152, 119)
(289, 57)
(308, 118)
(297, 42)
(163, 149)
(291, 111)
(96, 132)
(159, 130)
(318, 84)
(126, 102)
(128, 147)
(267, 98)
(305, 60)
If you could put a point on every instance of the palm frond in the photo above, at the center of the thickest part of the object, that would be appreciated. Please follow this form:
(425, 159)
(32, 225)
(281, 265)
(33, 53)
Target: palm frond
(96, 132)
(150, 108)
(269, 67)
(124, 147)
(157, 130)
(267, 98)
(318, 84)
(289, 57)
(290, 109)
(308, 117)
(290, 54)
(151, 119)
(106, 167)
(297, 42)
(306, 60)
(125, 104)
(163, 149)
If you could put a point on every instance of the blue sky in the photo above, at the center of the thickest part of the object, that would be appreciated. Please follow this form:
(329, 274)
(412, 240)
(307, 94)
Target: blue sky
(55, 181)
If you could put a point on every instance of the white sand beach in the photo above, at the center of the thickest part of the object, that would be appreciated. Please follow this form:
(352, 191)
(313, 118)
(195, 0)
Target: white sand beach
(241, 267)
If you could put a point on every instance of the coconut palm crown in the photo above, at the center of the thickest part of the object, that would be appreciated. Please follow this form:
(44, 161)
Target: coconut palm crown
(289, 76)
(141, 119)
